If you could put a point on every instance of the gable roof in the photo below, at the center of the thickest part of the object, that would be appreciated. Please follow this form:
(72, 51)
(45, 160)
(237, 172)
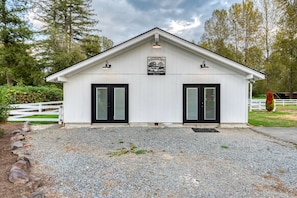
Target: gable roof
(138, 40)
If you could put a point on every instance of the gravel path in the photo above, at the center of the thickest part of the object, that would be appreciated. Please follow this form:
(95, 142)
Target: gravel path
(177, 163)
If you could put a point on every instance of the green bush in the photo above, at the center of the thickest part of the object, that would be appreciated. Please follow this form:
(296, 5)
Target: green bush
(3, 106)
(30, 94)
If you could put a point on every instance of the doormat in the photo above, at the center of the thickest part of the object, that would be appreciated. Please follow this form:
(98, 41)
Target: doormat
(205, 130)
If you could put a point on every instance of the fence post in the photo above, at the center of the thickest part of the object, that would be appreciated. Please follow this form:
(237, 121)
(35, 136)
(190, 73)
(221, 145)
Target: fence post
(259, 105)
(61, 114)
(39, 107)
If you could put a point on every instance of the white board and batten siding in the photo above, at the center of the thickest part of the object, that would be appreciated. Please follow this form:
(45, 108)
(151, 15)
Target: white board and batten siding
(156, 98)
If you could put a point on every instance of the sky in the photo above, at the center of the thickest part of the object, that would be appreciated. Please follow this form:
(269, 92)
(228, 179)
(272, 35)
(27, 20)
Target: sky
(120, 20)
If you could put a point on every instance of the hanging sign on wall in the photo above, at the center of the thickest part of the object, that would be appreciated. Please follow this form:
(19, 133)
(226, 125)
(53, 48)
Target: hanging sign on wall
(156, 65)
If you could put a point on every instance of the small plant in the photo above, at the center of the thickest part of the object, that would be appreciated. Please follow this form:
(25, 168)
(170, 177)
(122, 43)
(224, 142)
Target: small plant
(120, 152)
(121, 141)
(281, 171)
(224, 147)
(140, 152)
(269, 101)
(132, 147)
(123, 151)
(1, 132)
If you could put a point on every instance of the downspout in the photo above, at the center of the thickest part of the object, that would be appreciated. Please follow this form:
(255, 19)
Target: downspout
(251, 82)
(250, 78)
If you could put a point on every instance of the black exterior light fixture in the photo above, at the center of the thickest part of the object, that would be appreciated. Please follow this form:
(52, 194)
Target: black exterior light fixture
(106, 66)
(204, 66)
(156, 45)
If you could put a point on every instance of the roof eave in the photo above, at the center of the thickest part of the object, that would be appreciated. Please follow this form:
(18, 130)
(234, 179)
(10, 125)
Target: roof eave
(138, 40)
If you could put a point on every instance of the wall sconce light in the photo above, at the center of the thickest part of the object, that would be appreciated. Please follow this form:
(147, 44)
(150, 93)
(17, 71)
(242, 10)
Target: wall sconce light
(106, 66)
(204, 66)
(156, 45)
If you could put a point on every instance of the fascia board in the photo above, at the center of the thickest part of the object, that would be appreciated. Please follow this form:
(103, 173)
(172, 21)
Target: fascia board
(143, 38)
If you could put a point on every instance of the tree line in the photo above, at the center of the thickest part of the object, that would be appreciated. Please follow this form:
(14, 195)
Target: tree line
(261, 34)
(66, 35)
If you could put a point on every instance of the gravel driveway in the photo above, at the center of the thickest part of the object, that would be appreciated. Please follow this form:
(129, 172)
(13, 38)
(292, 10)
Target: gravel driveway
(163, 162)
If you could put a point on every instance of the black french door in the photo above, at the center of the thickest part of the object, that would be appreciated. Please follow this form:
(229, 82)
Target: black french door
(201, 103)
(109, 103)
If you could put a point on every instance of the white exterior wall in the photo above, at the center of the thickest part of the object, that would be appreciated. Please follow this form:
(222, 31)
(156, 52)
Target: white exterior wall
(156, 99)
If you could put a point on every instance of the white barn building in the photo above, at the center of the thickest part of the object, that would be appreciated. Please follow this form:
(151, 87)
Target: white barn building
(153, 79)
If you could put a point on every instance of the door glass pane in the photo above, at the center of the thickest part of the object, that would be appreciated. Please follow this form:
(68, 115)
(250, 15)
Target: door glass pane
(119, 104)
(192, 104)
(101, 103)
(209, 103)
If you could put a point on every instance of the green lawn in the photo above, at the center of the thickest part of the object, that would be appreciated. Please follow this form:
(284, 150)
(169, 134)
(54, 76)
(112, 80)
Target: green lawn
(284, 116)
(42, 116)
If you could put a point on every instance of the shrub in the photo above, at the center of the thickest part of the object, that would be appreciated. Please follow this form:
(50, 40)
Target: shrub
(30, 94)
(4, 108)
(269, 101)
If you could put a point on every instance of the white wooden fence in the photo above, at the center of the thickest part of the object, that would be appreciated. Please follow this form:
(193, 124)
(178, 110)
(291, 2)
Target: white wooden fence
(21, 112)
(260, 104)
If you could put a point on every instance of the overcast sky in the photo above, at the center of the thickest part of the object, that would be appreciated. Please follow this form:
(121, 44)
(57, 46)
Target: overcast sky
(120, 20)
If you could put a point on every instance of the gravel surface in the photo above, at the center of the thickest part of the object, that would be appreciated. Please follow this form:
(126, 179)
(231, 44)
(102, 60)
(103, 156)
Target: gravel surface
(83, 162)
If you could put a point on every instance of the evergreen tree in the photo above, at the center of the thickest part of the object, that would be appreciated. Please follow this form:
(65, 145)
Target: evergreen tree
(67, 26)
(16, 64)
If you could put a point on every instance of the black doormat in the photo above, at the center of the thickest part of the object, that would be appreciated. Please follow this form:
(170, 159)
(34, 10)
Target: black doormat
(205, 130)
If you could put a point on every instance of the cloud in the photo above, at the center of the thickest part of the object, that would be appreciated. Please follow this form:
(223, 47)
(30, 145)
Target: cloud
(179, 26)
(120, 20)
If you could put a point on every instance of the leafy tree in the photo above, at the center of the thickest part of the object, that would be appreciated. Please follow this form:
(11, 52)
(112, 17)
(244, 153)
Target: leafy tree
(245, 20)
(106, 43)
(16, 63)
(285, 57)
(94, 44)
(275, 71)
(270, 14)
(234, 13)
(91, 45)
(285, 47)
(233, 34)
(255, 57)
(217, 33)
(236, 34)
